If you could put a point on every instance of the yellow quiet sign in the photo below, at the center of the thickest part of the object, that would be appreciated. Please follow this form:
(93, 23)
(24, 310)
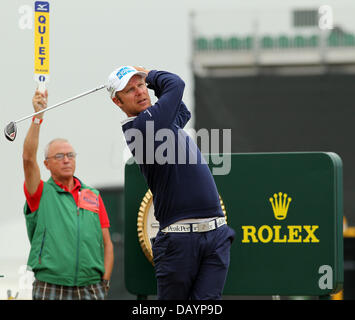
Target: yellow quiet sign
(41, 39)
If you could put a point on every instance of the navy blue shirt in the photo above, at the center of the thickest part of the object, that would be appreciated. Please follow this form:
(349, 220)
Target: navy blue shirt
(174, 169)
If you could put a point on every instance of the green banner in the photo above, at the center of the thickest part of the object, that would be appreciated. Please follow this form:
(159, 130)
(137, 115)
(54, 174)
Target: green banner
(287, 211)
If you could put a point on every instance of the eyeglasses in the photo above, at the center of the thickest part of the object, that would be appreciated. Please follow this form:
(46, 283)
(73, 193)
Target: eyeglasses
(60, 156)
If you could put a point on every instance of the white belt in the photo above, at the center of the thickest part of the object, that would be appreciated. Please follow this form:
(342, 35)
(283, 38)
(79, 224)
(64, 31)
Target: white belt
(196, 227)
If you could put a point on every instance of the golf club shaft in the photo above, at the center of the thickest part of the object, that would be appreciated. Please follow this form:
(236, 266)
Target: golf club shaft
(61, 103)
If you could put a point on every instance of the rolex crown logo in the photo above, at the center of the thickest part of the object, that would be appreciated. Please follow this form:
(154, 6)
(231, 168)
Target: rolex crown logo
(280, 204)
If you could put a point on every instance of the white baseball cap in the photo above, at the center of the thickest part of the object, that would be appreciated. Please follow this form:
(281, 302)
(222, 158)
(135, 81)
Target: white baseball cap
(119, 78)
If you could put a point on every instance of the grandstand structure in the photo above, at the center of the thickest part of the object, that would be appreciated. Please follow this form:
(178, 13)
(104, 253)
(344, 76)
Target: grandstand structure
(258, 49)
(233, 52)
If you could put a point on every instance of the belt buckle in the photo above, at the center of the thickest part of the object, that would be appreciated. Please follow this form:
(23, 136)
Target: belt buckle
(202, 227)
(220, 222)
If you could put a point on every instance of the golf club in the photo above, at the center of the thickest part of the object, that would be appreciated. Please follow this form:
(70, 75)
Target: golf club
(11, 129)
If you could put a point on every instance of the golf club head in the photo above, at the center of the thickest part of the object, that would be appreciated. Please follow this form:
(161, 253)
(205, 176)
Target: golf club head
(10, 131)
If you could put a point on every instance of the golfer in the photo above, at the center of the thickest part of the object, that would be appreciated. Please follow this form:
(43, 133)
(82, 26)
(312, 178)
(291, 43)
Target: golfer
(191, 250)
(71, 250)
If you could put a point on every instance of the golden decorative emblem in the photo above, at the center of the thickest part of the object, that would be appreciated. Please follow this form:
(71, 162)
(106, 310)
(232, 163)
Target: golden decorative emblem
(148, 226)
(280, 206)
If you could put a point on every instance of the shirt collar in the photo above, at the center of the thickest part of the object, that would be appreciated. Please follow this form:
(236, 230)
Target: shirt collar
(77, 185)
(128, 120)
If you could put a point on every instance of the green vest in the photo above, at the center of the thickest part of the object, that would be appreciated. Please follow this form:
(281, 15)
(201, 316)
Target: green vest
(66, 239)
